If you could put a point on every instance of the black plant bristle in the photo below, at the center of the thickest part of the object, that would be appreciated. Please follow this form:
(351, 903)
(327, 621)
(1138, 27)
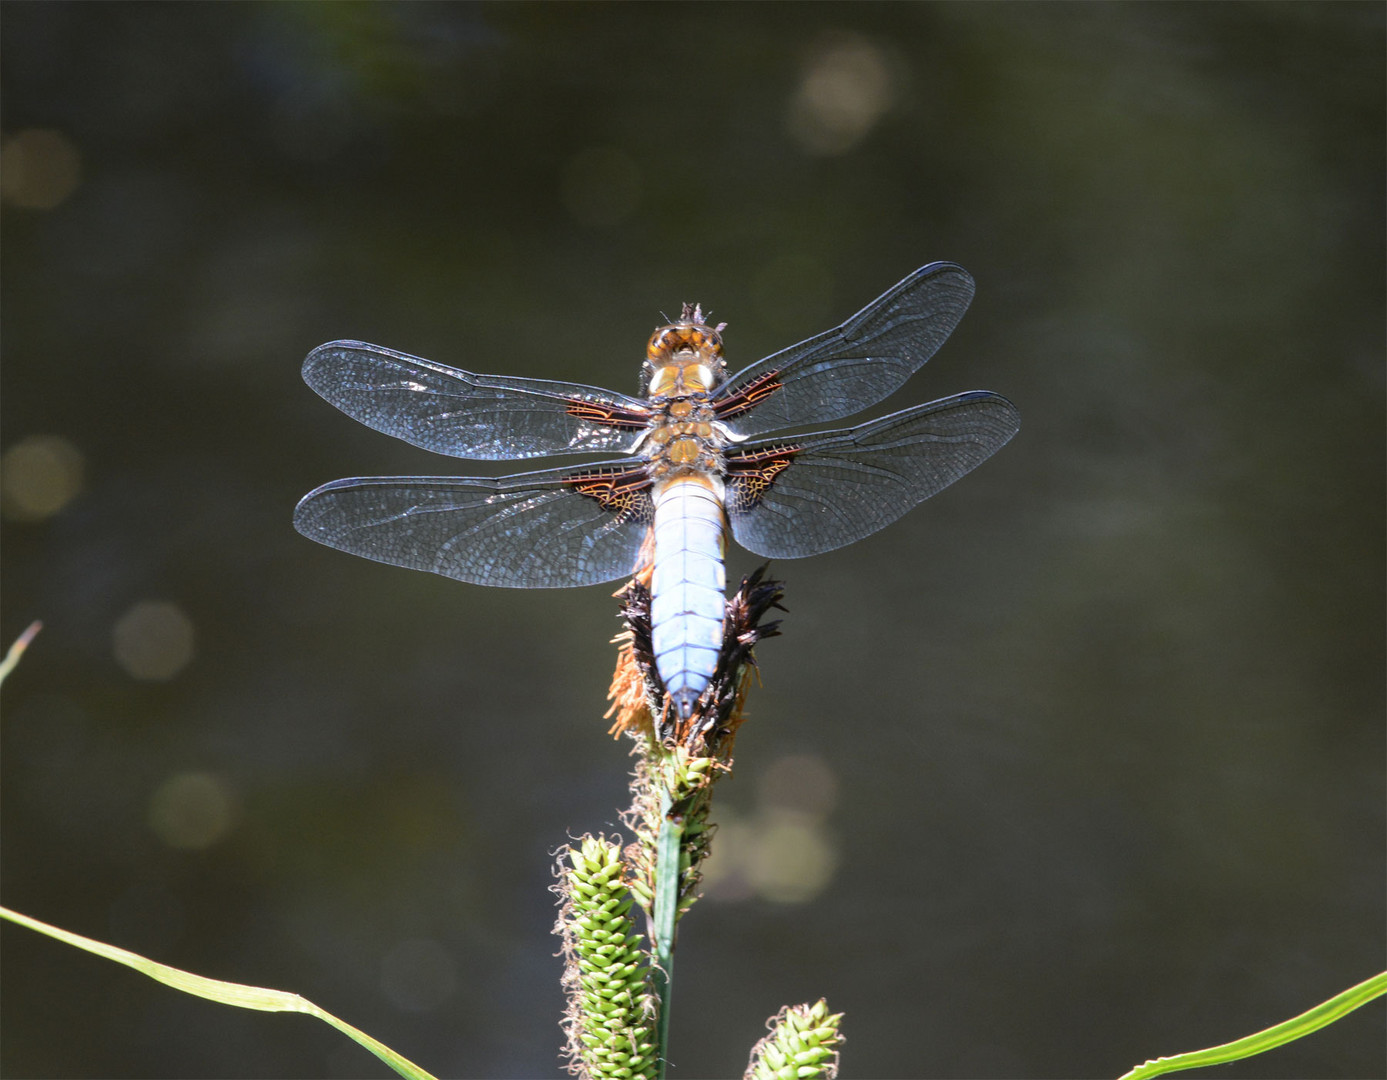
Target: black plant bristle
(713, 716)
(635, 612)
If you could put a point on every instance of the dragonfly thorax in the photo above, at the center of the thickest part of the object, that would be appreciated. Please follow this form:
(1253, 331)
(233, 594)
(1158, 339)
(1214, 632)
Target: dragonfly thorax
(685, 436)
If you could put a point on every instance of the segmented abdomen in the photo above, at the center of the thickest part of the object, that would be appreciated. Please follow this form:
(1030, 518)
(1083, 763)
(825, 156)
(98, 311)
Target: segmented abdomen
(686, 609)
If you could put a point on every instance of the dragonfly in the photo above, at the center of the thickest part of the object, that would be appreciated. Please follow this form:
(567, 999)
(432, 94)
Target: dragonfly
(704, 454)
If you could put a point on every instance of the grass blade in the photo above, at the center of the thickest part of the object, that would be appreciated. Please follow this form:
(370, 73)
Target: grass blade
(1288, 1031)
(17, 649)
(227, 993)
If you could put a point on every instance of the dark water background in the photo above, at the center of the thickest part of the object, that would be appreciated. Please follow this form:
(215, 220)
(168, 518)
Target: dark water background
(1105, 720)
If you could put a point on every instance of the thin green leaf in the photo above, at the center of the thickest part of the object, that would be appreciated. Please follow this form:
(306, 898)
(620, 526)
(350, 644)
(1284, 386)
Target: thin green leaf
(1295, 1028)
(228, 993)
(17, 649)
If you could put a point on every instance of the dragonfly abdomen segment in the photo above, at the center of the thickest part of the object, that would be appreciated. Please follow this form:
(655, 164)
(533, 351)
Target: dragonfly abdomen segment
(687, 585)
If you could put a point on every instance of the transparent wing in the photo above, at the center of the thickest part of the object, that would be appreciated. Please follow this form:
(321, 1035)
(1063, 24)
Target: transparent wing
(559, 527)
(790, 497)
(454, 412)
(848, 369)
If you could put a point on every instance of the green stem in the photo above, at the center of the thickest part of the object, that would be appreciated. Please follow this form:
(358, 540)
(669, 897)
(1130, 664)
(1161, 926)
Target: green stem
(667, 853)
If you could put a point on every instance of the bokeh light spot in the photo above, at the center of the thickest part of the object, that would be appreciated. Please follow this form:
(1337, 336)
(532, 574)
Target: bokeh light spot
(844, 89)
(191, 811)
(722, 869)
(776, 854)
(153, 640)
(800, 782)
(418, 975)
(601, 186)
(39, 169)
(39, 476)
(791, 859)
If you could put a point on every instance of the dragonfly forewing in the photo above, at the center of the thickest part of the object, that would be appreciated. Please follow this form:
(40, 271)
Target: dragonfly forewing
(854, 366)
(454, 412)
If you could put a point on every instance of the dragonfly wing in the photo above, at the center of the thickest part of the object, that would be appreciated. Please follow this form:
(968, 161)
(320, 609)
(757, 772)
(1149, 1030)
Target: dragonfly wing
(559, 527)
(455, 412)
(852, 367)
(790, 497)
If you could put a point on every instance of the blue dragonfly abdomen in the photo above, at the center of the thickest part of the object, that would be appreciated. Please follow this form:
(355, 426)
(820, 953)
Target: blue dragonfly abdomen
(686, 587)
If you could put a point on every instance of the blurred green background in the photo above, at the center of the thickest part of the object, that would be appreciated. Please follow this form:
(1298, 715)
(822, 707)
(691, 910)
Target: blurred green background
(1078, 764)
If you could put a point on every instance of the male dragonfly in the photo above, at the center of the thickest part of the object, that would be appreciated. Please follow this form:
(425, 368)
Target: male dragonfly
(693, 469)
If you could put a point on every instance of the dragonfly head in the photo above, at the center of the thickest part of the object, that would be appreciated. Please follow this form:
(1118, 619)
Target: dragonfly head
(684, 357)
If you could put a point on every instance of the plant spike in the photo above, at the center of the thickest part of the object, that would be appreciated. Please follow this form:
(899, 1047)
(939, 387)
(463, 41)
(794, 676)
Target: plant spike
(802, 1045)
(611, 1010)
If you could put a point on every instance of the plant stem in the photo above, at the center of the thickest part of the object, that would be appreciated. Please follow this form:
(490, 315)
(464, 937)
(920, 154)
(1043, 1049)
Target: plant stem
(667, 857)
